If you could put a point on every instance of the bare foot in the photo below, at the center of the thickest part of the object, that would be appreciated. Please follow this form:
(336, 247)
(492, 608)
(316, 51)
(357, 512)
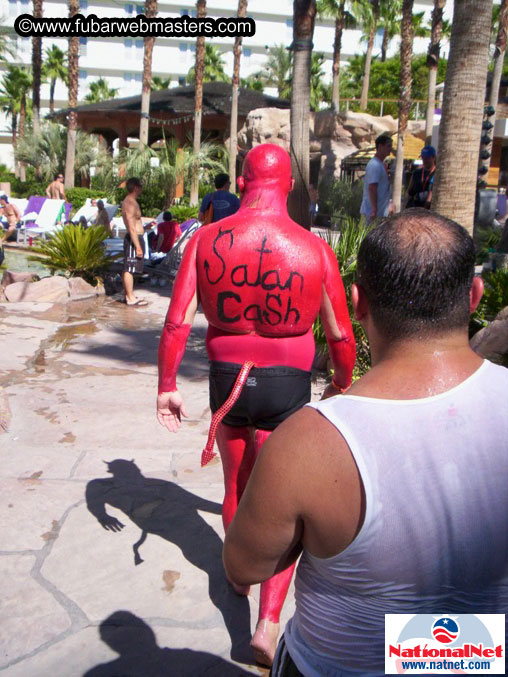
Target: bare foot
(264, 642)
(241, 589)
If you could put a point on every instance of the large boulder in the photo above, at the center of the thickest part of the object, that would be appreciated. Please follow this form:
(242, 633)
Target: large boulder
(332, 135)
(56, 289)
(12, 276)
(491, 342)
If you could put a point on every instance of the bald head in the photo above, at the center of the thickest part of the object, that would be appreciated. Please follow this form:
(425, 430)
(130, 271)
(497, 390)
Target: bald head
(416, 269)
(268, 164)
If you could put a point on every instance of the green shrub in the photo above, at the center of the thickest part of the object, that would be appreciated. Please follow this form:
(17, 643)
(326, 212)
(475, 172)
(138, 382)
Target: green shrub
(25, 189)
(340, 199)
(184, 212)
(486, 240)
(151, 201)
(494, 299)
(205, 188)
(75, 251)
(78, 196)
(345, 245)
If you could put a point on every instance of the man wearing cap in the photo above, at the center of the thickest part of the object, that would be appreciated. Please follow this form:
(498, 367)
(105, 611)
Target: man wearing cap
(422, 180)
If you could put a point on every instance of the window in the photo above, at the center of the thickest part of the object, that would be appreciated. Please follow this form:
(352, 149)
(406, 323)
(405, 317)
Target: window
(82, 75)
(289, 23)
(82, 46)
(127, 77)
(247, 51)
(129, 9)
(184, 12)
(13, 10)
(128, 43)
(139, 9)
(83, 4)
(25, 2)
(140, 44)
(182, 46)
(138, 77)
(192, 47)
(181, 81)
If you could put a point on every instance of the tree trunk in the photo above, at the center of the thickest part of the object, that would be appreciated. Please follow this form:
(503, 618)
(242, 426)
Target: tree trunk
(233, 140)
(198, 105)
(52, 86)
(406, 49)
(36, 70)
(499, 55)
(304, 14)
(72, 124)
(454, 190)
(14, 131)
(337, 48)
(22, 118)
(432, 63)
(368, 57)
(144, 122)
(384, 45)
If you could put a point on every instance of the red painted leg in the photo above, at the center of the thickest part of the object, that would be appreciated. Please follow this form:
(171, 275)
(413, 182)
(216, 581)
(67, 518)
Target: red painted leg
(272, 596)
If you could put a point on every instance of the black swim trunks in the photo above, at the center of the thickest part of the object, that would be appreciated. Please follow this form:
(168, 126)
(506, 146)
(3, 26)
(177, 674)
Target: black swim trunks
(270, 395)
(131, 264)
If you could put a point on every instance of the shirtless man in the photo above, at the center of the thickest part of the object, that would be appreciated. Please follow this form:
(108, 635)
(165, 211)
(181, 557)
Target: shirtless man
(133, 244)
(262, 280)
(55, 190)
(12, 214)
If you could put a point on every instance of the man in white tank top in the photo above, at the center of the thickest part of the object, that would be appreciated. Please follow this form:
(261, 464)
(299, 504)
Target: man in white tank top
(396, 493)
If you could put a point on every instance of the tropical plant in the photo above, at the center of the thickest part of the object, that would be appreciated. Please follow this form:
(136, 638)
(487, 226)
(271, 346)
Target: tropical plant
(345, 245)
(367, 14)
(47, 151)
(432, 63)
(36, 68)
(159, 83)
(100, 91)
(235, 83)
(406, 49)
(15, 103)
(198, 103)
(494, 299)
(150, 12)
(340, 199)
(6, 45)
(182, 213)
(72, 80)
(253, 81)
(336, 9)
(389, 13)
(54, 68)
(318, 90)
(460, 130)
(213, 66)
(278, 69)
(304, 14)
(75, 251)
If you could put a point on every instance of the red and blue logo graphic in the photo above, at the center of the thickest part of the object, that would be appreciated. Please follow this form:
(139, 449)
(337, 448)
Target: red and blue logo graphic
(445, 630)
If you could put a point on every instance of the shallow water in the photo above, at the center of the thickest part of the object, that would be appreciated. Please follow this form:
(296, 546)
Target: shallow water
(17, 260)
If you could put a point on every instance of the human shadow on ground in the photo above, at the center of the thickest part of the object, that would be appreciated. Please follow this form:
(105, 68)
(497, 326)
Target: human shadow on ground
(140, 656)
(167, 510)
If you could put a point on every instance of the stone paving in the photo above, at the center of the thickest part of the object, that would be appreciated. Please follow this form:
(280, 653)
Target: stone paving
(110, 568)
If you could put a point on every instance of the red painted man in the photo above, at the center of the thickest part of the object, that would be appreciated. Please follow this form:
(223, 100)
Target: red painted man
(262, 280)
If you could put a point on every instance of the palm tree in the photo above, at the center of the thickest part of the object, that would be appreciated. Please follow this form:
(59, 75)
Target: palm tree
(36, 68)
(198, 104)
(367, 12)
(6, 46)
(72, 124)
(100, 91)
(278, 69)
(319, 92)
(304, 14)
(432, 63)
(213, 68)
(14, 88)
(54, 68)
(499, 54)
(390, 22)
(461, 122)
(150, 12)
(233, 141)
(159, 83)
(336, 9)
(406, 49)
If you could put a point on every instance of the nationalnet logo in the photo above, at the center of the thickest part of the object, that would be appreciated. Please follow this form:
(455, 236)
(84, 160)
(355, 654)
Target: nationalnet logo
(461, 644)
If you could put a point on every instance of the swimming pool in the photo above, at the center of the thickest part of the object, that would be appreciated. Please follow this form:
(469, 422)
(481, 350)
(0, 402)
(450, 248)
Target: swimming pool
(17, 260)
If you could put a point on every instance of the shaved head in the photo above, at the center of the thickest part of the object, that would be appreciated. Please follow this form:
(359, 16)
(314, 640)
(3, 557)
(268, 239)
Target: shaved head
(267, 163)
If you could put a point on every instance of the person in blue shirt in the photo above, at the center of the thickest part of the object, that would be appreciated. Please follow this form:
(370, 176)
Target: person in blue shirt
(223, 202)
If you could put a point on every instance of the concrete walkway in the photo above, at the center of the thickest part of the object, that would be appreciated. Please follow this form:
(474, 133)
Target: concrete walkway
(111, 532)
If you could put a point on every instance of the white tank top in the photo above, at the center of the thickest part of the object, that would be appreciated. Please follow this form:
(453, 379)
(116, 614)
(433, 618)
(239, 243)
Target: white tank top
(435, 535)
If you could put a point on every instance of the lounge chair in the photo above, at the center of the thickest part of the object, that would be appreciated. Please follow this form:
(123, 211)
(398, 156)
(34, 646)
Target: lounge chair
(48, 219)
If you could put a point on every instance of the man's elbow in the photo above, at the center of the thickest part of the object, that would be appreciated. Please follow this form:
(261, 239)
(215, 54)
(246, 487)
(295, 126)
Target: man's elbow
(239, 571)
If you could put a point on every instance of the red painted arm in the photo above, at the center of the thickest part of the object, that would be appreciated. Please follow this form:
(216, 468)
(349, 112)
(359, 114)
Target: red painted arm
(178, 319)
(335, 318)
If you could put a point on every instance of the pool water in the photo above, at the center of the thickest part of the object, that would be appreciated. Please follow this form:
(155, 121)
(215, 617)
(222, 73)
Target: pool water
(17, 261)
